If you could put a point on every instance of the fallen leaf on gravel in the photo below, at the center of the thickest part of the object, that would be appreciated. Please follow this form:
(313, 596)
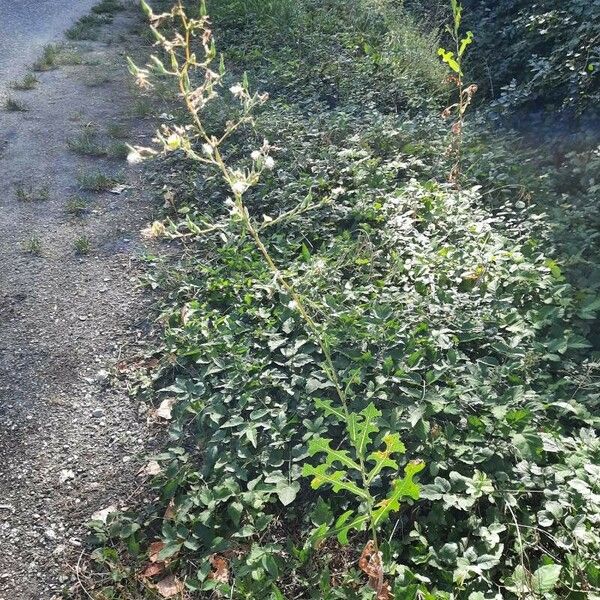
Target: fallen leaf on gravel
(220, 568)
(164, 410)
(169, 586)
(102, 515)
(152, 468)
(153, 569)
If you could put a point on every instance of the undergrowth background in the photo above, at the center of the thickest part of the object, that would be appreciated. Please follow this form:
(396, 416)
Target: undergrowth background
(468, 316)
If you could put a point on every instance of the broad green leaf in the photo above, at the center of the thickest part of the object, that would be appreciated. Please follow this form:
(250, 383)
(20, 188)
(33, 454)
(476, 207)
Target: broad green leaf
(545, 578)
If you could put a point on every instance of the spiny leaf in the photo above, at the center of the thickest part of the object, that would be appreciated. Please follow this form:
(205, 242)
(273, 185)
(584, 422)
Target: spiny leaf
(448, 58)
(382, 458)
(345, 524)
(336, 479)
(332, 455)
(401, 488)
(327, 407)
(468, 39)
(361, 426)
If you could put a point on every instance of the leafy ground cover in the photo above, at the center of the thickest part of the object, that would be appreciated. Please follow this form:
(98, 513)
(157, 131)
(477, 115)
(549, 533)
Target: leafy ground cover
(538, 55)
(466, 317)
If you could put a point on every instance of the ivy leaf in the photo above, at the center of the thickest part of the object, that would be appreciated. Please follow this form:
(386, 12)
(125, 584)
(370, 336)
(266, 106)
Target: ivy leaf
(401, 488)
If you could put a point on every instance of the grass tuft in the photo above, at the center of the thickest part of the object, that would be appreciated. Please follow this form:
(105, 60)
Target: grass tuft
(76, 206)
(86, 143)
(108, 7)
(82, 245)
(28, 82)
(48, 60)
(88, 27)
(33, 245)
(12, 105)
(118, 131)
(27, 192)
(96, 181)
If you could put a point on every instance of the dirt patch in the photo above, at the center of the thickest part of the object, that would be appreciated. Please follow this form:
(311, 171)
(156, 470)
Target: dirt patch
(70, 441)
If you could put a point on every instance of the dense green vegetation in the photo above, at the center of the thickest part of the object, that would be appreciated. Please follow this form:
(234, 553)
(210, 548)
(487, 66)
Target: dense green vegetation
(538, 55)
(464, 315)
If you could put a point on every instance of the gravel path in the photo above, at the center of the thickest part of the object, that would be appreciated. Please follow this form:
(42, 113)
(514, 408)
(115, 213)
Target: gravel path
(70, 442)
(27, 25)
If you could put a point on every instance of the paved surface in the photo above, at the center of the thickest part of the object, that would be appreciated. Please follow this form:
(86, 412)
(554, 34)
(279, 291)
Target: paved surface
(70, 441)
(27, 25)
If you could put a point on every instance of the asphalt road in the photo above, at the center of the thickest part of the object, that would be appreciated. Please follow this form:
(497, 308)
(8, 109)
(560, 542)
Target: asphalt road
(27, 25)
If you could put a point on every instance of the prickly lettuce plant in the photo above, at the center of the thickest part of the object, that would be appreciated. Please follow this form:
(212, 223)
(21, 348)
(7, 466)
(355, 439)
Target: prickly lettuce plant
(454, 60)
(359, 463)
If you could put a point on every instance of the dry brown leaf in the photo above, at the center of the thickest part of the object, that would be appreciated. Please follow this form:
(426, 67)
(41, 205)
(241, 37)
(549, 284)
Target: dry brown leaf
(164, 410)
(153, 569)
(220, 568)
(155, 548)
(370, 563)
(170, 512)
(169, 587)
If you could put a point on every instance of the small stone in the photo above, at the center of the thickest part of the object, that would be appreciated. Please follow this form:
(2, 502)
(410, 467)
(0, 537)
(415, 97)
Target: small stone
(66, 475)
(50, 534)
(102, 375)
(97, 412)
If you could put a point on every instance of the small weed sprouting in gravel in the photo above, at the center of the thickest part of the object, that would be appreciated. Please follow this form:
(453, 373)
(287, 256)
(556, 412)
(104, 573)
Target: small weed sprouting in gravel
(86, 143)
(96, 181)
(118, 150)
(48, 60)
(87, 28)
(27, 83)
(33, 245)
(76, 206)
(70, 56)
(96, 78)
(142, 107)
(27, 192)
(107, 7)
(82, 245)
(118, 131)
(12, 105)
